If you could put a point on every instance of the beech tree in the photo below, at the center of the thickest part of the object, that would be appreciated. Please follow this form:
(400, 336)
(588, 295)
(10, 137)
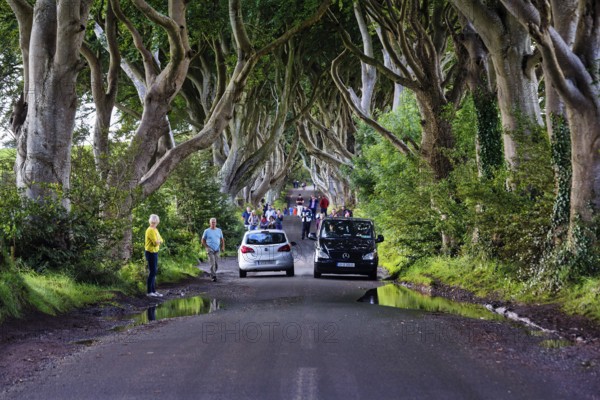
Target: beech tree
(573, 72)
(416, 37)
(510, 48)
(50, 37)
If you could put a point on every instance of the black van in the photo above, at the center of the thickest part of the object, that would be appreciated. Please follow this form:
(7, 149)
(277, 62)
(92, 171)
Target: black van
(346, 246)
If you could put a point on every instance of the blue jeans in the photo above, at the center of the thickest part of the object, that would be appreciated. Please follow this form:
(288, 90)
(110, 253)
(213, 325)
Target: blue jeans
(152, 259)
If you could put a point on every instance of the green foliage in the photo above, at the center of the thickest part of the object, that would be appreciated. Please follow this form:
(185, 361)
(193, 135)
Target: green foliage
(583, 298)
(51, 293)
(45, 237)
(561, 159)
(481, 216)
(12, 294)
(489, 132)
(568, 261)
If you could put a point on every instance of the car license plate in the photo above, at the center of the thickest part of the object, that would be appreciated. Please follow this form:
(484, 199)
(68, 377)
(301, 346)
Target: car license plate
(341, 264)
(263, 262)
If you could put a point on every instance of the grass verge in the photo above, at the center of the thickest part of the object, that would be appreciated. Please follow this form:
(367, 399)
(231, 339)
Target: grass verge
(52, 293)
(490, 279)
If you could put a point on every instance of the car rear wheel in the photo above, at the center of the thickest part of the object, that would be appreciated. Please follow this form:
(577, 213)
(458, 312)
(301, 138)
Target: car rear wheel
(373, 276)
(290, 272)
(242, 273)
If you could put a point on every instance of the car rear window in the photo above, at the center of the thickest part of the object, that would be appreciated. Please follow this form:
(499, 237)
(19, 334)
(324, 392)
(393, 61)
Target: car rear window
(265, 238)
(344, 228)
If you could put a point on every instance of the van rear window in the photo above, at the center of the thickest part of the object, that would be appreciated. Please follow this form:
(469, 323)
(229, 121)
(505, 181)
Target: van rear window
(265, 238)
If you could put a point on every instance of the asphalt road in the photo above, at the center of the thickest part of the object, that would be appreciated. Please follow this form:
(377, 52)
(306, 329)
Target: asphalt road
(278, 337)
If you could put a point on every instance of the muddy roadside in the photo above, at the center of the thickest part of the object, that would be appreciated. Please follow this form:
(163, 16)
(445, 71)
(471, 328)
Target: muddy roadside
(39, 341)
(573, 328)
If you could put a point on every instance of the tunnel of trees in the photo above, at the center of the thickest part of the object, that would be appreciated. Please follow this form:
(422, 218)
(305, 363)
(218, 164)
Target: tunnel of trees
(463, 127)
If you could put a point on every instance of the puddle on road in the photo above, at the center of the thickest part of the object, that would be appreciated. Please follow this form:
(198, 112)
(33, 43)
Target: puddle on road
(173, 308)
(401, 297)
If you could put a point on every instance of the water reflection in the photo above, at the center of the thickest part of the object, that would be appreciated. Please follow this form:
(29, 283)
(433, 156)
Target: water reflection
(401, 297)
(177, 308)
(170, 309)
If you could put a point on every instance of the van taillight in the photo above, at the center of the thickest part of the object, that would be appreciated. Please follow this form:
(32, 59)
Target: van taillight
(246, 249)
(285, 248)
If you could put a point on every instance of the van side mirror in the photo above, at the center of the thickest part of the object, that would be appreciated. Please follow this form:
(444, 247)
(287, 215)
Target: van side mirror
(312, 236)
(379, 239)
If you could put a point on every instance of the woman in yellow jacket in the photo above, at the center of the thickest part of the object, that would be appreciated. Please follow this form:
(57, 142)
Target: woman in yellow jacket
(152, 243)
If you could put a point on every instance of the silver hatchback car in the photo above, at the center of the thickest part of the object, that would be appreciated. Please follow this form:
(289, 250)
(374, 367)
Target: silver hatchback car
(266, 250)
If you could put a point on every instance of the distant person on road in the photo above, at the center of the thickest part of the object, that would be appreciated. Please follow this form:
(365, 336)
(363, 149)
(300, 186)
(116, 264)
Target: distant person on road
(303, 185)
(320, 217)
(300, 204)
(279, 220)
(271, 212)
(313, 204)
(264, 222)
(213, 241)
(152, 242)
(253, 220)
(306, 220)
(246, 215)
(324, 204)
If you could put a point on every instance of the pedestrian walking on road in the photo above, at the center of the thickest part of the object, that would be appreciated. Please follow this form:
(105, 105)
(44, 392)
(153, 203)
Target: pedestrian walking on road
(245, 216)
(313, 203)
(152, 243)
(306, 220)
(324, 204)
(253, 221)
(279, 220)
(213, 241)
(299, 204)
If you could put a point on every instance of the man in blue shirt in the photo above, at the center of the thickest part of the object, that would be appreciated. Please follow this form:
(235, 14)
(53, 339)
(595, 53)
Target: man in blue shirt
(245, 215)
(213, 241)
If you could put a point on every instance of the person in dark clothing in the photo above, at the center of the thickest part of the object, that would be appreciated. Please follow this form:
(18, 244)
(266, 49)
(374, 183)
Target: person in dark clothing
(245, 215)
(346, 212)
(306, 220)
(313, 203)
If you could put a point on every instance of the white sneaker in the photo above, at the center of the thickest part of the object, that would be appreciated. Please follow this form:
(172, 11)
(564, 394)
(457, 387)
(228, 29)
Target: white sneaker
(158, 294)
(151, 294)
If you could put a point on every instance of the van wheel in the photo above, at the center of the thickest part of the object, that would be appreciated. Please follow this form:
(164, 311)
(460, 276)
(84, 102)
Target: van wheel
(373, 276)
(317, 274)
(242, 273)
(290, 272)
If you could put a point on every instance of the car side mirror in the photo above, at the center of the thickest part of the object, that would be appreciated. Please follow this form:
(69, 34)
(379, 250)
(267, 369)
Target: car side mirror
(379, 239)
(312, 236)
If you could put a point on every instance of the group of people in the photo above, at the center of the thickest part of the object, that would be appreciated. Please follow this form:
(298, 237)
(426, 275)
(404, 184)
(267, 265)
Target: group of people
(270, 219)
(298, 184)
(313, 203)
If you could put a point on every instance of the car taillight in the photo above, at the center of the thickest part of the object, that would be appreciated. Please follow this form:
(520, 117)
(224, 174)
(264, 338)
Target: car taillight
(285, 247)
(246, 249)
